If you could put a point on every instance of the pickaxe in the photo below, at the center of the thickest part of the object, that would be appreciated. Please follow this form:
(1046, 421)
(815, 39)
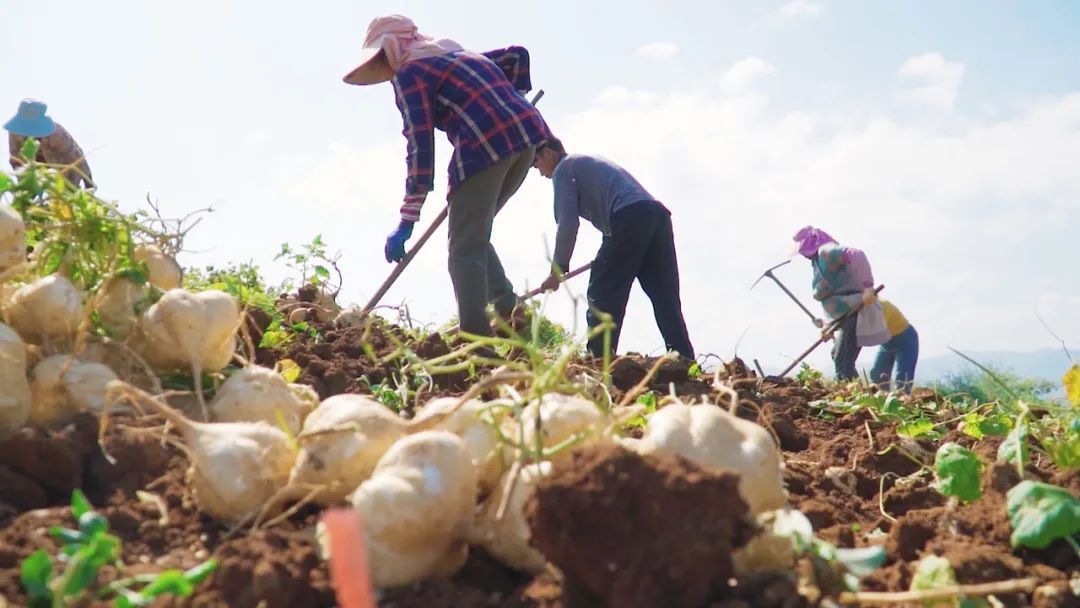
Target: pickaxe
(769, 273)
(400, 267)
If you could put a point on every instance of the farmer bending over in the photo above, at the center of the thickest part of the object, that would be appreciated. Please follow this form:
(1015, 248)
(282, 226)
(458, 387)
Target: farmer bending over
(843, 280)
(477, 100)
(902, 349)
(57, 147)
(638, 242)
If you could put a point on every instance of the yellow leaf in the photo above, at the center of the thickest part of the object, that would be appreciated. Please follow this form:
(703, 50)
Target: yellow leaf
(1071, 380)
(288, 369)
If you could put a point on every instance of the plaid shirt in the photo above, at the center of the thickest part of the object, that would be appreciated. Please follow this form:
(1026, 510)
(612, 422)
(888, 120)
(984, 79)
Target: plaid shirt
(477, 100)
(57, 148)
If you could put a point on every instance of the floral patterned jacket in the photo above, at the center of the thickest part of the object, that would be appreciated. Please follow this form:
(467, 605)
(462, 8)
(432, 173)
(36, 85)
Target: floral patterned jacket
(58, 148)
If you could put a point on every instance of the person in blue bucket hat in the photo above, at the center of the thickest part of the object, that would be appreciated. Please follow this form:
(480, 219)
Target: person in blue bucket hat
(58, 147)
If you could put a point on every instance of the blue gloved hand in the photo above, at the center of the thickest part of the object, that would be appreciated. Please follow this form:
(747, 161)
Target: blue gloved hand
(395, 243)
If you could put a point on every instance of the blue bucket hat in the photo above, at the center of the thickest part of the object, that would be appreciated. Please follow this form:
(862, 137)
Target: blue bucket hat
(30, 120)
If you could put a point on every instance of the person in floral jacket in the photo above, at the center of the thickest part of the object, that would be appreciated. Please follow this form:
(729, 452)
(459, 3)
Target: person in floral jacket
(57, 146)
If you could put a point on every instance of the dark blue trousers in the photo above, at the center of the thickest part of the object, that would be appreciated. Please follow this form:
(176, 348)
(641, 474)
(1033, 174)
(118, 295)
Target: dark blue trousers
(641, 246)
(902, 350)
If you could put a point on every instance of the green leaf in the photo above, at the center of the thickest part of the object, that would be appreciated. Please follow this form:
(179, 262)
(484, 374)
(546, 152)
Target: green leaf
(322, 272)
(29, 148)
(648, 400)
(289, 370)
(81, 571)
(201, 572)
(170, 581)
(862, 561)
(1041, 513)
(973, 425)
(79, 504)
(916, 428)
(92, 524)
(1014, 449)
(5, 183)
(959, 472)
(36, 571)
(694, 371)
(67, 535)
(1071, 380)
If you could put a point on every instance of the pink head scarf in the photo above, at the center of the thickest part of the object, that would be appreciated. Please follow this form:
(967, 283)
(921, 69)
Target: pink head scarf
(811, 239)
(398, 37)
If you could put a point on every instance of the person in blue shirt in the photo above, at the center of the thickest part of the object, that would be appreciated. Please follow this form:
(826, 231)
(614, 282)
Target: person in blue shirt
(638, 242)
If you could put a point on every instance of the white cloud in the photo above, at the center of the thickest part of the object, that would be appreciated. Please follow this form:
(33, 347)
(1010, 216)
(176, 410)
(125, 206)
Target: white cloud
(741, 76)
(932, 81)
(658, 50)
(800, 8)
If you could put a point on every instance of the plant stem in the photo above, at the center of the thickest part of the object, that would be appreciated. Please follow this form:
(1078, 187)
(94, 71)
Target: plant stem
(1075, 545)
(903, 597)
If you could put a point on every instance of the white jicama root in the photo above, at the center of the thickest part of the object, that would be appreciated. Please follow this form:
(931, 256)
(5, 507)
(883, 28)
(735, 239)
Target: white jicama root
(165, 272)
(116, 307)
(235, 466)
(187, 331)
(257, 393)
(350, 317)
(561, 418)
(508, 539)
(475, 424)
(343, 439)
(15, 391)
(12, 238)
(712, 437)
(49, 308)
(769, 549)
(326, 308)
(61, 386)
(341, 442)
(416, 509)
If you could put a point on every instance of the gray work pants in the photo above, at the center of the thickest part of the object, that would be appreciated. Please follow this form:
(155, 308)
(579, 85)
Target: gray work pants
(475, 269)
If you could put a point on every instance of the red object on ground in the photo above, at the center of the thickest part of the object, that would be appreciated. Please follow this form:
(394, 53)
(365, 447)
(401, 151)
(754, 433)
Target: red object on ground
(348, 559)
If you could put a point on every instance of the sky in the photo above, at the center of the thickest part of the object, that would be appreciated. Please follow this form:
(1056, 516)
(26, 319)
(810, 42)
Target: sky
(943, 139)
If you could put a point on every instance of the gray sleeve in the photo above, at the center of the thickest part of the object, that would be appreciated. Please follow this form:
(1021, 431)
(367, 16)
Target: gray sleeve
(566, 215)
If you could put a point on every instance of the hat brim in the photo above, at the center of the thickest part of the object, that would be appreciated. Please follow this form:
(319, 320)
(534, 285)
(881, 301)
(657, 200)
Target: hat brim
(365, 73)
(31, 127)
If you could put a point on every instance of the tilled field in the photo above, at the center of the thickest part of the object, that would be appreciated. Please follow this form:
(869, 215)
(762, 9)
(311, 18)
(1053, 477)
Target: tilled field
(835, 473)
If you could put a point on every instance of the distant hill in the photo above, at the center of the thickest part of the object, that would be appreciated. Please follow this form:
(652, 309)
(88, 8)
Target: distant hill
(1049, 364)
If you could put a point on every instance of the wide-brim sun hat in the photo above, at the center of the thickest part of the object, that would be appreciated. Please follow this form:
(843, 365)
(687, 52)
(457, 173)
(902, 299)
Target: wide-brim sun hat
(30, 120)
(365, 71)
(396, 38)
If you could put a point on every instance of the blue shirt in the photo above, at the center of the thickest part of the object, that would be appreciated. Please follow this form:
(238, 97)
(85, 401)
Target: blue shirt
(594, 188)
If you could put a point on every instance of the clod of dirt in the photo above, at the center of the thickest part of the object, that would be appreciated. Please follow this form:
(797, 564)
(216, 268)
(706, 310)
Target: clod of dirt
(626, 372)
(792, 439)
(51, 460)
(908, 538)
(633, 531)
(268, 568)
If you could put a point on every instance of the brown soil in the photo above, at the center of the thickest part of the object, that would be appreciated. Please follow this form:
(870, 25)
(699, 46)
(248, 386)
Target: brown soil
(834, 471)
(630, 531)
(280, 566)
(337, 362)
